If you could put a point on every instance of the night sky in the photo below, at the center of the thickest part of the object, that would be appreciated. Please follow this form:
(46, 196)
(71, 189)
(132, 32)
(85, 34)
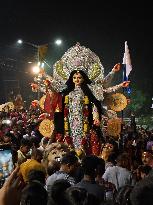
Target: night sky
(103, 28)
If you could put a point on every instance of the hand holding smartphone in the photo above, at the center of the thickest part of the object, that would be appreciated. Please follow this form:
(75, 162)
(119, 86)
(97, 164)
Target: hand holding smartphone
(6, 163)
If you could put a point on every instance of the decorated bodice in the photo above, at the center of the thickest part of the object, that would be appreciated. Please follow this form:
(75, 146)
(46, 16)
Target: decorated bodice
(76, 98)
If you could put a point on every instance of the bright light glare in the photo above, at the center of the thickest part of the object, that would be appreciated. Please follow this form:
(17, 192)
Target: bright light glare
(36, 69)
(19, 41)
(42, 65)
(8, 122)
(58, 42)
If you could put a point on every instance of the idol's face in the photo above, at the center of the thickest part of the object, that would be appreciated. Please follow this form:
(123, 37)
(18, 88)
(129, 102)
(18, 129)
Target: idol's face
(77, 79)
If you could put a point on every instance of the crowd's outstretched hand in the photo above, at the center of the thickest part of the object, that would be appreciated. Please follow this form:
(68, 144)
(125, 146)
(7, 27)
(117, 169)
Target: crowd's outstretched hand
(10, 193)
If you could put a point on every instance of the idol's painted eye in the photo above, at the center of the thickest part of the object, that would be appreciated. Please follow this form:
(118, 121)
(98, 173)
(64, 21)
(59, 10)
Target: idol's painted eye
(53, 153)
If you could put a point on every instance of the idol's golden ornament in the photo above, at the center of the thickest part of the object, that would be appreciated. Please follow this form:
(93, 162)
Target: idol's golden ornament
(117, 102)
(46, 128)
(114, 127)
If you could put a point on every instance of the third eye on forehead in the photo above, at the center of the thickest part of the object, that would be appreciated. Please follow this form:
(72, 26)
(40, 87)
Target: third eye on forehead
(77, 75)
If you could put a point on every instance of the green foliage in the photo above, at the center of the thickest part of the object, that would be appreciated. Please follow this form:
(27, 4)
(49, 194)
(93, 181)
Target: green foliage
(145, 121)
(138, 100)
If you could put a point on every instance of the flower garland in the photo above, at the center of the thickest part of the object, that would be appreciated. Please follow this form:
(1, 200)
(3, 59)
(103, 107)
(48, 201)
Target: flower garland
(67, 138)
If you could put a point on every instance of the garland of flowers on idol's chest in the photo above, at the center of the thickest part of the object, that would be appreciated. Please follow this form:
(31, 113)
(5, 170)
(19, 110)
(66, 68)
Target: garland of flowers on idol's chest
(67, 137)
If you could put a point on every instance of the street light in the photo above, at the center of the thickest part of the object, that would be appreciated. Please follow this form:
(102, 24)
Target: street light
(19, 41)
(36, 69)
(58, 42)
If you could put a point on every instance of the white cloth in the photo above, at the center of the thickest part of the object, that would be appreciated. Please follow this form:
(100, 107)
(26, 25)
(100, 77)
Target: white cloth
(118, 176)
(56, 176)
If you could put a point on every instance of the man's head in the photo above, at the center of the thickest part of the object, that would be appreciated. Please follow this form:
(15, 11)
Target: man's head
(7, 138)
(147, 158)
(144, 170)
(37, 175)
(92, 165)
(69, 163)
(25, 146)
(123, 160)
(37, 155)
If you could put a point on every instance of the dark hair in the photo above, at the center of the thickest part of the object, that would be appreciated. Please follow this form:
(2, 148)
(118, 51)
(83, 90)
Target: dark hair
(53, 167)
(58, 189)
(36, 175)
(129, 136)
(112, 157)
(144, 169)
(34, 193)
(80, 196)
(36, 152)
(123, 160)
(25, 142)
(69, 159)
(8, 134)
(35, 141)
(77, 195)
(70, 83)
(91, 163)
(100, 169)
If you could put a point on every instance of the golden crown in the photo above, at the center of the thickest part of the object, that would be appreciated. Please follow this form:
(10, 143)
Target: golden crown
(78, 58)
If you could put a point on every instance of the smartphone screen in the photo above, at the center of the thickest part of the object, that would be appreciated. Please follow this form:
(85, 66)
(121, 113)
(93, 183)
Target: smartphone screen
(6, 163)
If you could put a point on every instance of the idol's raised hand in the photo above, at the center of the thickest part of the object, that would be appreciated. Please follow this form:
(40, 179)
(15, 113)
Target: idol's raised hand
(125, 84)
(117, 67)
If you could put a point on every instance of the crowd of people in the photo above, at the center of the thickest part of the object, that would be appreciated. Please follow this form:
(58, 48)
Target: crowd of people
(121, 174)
